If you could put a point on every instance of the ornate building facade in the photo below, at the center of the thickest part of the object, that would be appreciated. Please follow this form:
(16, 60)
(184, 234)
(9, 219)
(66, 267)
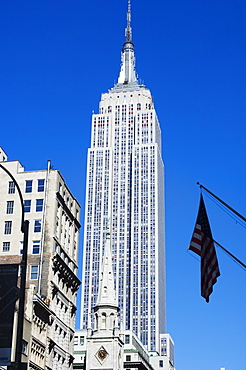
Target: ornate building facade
(52, 281)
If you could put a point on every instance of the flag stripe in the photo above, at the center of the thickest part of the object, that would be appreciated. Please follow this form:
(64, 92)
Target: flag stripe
(196, 241)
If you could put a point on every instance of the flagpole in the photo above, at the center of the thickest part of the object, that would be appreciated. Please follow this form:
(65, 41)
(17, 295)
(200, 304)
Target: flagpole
(236, 213)
(221, 201)
(230, 254)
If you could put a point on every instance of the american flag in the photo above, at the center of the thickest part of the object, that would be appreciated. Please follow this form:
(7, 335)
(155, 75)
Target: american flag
(202, 244)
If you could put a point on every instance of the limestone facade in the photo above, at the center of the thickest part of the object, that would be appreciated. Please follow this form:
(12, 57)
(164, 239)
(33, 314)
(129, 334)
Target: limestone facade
(52, 282)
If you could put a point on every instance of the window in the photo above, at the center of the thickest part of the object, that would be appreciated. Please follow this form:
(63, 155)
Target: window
(127, 339)
(24, 347)
(37, 226)
(7, 227)
(160, 363)
(11, 187)
(6, 246)
(28, 186)
(10, 207)
(40, 185)
(128, 357)
(103, 321)
(39, 205)
(82, 340)
(34, 272)
(76, 341)
(27, 205)
(36, 247)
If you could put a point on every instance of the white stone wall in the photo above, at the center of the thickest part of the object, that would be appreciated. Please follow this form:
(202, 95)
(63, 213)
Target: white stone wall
(55, 237)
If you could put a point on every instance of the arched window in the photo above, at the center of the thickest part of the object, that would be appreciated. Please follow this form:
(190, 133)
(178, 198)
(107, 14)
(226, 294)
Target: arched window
(112, 320)
(104, 320)
(96, 315)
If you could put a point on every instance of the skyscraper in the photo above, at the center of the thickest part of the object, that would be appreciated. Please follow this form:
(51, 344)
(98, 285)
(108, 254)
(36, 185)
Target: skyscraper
(125, 184)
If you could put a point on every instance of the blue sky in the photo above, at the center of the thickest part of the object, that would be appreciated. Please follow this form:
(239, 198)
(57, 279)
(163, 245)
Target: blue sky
(57, 57)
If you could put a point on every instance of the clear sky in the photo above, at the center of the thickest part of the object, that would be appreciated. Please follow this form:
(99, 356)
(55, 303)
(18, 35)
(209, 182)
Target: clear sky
(57, 57)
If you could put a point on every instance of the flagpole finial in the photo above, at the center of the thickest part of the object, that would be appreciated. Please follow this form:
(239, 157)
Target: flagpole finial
(200, 186)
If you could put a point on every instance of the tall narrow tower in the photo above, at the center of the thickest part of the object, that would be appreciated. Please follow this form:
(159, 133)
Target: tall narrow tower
(104, 348)
(125, 183)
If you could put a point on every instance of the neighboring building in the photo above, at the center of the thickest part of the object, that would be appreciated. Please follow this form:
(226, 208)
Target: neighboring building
(125, 183)
(52, 280)
(135, 355)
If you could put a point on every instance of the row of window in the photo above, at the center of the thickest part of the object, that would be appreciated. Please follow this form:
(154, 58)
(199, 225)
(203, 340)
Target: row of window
(27, 206)
(39, 205)
(79, 340)
(28, 186)
(34, 269)
(8, 227)
(117, 108)
(35, 247)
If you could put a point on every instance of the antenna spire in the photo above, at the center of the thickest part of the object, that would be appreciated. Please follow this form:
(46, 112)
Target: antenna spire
(128, 28)
(128, 74)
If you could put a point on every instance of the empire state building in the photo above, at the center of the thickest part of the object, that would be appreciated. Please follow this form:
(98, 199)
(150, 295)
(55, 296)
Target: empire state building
(125, 193)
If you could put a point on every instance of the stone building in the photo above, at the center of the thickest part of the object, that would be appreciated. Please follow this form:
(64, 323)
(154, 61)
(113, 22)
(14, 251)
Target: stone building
(52, 281)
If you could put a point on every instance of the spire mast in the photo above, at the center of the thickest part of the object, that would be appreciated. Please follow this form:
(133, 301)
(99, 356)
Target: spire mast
(128, 74)
(128, 28)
